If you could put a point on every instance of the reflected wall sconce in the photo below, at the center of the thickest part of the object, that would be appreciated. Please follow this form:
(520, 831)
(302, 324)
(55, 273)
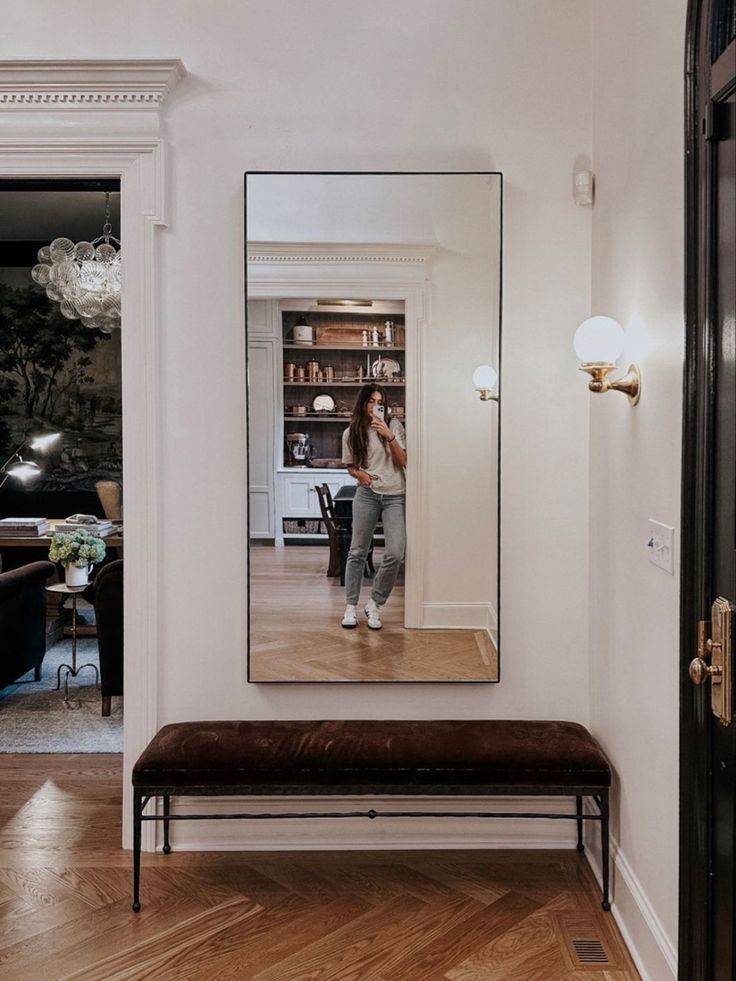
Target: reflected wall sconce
(484, 381)
(599, 343)
(23, 470)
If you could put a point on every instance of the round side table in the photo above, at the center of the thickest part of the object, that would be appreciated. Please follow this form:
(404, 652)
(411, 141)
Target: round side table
(71, 669)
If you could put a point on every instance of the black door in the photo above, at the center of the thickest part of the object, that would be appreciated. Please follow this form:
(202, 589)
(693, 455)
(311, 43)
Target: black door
(724, 552)
(708, 745)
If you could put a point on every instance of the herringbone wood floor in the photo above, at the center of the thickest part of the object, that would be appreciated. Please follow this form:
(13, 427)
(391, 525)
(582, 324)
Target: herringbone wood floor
(295, 632)
(329, 916)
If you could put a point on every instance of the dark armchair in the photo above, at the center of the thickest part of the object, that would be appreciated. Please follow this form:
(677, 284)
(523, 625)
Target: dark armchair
(106, 595)
(23, 620)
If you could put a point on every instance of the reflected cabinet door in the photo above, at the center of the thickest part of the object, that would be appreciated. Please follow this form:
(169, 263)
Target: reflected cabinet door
(261, 482)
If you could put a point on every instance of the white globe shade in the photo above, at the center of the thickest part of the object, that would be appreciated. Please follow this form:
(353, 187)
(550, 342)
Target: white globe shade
(599, 340)
(484, 376)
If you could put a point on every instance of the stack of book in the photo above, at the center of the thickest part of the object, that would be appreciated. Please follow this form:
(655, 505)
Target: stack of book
(23, 527)
(99, 528)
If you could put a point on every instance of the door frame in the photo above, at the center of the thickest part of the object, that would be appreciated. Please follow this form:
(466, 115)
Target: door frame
(698, 479)
(279, 271)
(73, 109)
(138, 169)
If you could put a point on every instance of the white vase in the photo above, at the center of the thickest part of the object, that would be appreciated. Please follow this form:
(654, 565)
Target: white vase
(74, 576)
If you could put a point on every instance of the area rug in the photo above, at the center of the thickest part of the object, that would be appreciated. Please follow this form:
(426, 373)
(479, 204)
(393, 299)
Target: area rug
(34, 718)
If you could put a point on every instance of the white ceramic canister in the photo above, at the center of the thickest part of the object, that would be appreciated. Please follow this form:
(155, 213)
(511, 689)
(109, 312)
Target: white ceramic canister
(303, 333)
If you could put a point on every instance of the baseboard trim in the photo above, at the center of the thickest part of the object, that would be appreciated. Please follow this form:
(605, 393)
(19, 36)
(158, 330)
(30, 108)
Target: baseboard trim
(470, 616)
(653, 953)
(364, 834)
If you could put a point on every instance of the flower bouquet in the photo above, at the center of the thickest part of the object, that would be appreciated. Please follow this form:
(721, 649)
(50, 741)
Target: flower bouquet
(77, 551)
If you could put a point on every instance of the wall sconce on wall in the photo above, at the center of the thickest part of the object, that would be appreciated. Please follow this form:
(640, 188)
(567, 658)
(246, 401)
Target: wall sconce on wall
(599, 343)
(484, 381)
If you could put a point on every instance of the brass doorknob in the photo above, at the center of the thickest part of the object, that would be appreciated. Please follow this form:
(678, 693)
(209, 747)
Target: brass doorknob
(700, 671)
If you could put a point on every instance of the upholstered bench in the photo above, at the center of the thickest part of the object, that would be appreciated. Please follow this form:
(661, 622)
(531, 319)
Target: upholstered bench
(372, 759)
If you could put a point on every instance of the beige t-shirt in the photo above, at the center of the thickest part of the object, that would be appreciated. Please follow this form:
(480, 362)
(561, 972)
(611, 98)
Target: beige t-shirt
(387, 477)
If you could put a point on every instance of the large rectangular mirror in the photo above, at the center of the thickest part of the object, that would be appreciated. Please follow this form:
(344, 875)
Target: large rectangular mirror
(373, 352)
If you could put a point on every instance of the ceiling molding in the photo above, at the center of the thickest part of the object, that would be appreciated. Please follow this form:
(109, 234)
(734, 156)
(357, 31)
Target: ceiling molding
(86, 84)
(340, 252)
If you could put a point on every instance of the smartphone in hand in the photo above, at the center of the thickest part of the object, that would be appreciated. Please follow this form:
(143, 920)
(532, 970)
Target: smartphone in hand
(379, 412)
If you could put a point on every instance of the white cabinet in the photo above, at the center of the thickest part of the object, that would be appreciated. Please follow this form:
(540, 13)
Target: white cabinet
(261, 437)
(297, 499)
(264, 416)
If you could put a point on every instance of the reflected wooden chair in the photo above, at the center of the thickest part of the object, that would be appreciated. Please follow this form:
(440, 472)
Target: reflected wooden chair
(327, 509)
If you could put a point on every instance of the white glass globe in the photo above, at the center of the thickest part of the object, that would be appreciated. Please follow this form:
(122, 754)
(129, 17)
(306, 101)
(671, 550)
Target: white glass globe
(484, 376)
(599, 340)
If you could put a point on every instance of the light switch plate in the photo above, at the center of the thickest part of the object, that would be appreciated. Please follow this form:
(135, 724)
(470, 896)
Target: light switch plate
(661, 545)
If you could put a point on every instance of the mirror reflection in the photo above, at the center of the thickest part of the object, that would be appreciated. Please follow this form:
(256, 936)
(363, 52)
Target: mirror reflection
(373, 343)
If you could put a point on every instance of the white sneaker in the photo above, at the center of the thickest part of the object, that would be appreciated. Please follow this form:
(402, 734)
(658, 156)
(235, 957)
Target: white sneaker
(349, 618)
(373, 612)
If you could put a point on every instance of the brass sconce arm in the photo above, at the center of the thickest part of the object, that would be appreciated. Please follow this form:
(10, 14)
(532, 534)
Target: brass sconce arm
(599, 373)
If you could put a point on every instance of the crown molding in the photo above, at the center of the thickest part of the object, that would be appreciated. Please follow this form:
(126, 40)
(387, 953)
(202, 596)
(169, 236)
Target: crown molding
(88, 84)
(339, 252)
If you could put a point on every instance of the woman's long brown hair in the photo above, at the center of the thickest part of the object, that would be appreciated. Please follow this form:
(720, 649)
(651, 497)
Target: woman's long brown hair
(360, 423)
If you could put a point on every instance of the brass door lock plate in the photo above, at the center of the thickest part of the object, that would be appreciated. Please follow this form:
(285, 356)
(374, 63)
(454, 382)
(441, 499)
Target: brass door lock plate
(714, 659)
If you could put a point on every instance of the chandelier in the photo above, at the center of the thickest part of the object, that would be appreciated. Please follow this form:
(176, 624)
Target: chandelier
(84, 279)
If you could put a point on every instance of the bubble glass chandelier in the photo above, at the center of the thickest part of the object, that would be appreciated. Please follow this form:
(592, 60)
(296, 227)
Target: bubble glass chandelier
(84, 279)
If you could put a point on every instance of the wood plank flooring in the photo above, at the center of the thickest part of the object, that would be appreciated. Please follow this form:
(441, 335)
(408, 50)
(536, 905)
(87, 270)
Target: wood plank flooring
(291, 916)
(295, 632)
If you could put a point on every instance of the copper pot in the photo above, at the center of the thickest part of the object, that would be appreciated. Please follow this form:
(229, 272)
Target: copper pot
(312, 370)
(290, 369)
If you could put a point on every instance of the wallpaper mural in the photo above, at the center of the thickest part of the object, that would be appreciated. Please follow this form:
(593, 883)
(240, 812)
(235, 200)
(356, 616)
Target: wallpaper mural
(58, 375)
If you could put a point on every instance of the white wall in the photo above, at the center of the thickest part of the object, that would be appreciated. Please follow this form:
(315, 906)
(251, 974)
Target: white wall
(638, 225)
(459, 216)
(421, 85)
(441, 85)
(435, 85)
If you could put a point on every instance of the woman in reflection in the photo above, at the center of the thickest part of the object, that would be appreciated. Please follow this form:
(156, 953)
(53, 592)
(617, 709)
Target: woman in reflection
(374, 449)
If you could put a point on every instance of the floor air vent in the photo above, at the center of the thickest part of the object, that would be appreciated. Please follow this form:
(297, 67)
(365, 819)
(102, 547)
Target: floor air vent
(590, 951)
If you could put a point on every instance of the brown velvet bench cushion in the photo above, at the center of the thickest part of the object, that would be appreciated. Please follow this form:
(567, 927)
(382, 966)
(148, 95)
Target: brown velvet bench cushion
(377, 759)
(348, 757)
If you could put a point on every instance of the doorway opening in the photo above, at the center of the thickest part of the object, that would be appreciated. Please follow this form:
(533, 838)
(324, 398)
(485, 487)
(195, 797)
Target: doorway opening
(61, 447)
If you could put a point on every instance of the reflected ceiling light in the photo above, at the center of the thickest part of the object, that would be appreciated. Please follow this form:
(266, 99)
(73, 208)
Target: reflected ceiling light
(16, 466)
(599, 343)
(84, 279)
(344, 303)
(484, 381)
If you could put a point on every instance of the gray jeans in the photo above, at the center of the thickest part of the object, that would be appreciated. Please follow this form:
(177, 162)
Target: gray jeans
(368, 509)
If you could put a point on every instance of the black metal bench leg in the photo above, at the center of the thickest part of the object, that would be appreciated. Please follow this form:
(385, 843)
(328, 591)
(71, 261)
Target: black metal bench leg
(167, 811)
(579, 812)
(137, 824)
(604, 848)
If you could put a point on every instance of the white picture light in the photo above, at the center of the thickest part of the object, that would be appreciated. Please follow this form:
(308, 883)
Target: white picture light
(24, 470)
(16, 466)
(43, 443)
(599, 343)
